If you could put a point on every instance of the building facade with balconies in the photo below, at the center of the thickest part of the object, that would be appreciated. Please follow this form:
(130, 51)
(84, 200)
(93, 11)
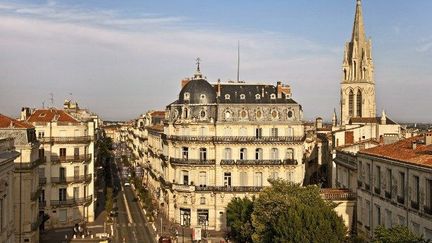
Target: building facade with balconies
(66, 177)
(219, 142)
(395, 186)
(26, 188)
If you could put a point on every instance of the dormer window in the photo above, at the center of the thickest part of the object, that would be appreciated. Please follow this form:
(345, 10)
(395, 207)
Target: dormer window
(287, 96)
(273, 96)
(186, 96)
(42, 115)
(227, 96)
(202, 97)
(257, 96)
(242, 96)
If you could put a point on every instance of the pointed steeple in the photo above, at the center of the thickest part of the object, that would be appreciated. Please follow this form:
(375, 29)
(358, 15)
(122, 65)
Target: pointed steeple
(358, 33)
(198, 74)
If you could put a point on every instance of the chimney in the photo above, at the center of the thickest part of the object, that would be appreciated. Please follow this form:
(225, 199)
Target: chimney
(414, 145)
(25, 113)
(428, 138)
(319, 123)
(279, 89)
(184, 82)
(218, 87)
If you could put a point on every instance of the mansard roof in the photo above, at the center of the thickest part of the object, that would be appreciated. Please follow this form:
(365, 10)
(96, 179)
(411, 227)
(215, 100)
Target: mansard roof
(253, 93)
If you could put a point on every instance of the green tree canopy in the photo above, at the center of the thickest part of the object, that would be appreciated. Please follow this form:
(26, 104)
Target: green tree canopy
(239, 212)
(287, 212)
(397, 234)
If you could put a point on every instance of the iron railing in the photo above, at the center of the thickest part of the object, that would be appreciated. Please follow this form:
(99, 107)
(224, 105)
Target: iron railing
(259, 162)
(228, 139)
(229, 188)
(72, 202)
(192, 161)
(71, 179)
(71, 158)
(72, 139)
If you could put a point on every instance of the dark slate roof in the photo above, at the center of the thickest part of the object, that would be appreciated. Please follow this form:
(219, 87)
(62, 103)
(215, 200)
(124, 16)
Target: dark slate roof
(196, 88)
(370, 120)
(235, 90)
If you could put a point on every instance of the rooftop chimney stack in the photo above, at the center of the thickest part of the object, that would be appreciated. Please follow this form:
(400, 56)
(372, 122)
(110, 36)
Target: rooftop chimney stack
(428, 138)
(414, 145)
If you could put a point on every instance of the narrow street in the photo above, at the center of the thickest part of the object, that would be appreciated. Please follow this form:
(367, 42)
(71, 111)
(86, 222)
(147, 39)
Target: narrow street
(130, 224)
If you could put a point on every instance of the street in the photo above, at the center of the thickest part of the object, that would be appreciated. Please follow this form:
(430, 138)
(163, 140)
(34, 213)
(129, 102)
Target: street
(130, 223)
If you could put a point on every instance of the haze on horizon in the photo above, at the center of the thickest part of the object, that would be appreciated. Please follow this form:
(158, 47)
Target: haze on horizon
(122, 58)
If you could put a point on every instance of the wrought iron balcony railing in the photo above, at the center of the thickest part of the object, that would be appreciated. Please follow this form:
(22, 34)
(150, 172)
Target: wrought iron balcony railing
(71, 179)
(29, 166)
(192, 161)
(241, 162)
(229, 188)
(73, 139)
(71, 159)
(72, 202)
(229, 139)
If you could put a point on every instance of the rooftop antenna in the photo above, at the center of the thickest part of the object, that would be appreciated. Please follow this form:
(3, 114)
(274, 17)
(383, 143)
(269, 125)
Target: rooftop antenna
(43, 104)
(52, 99)
(238, 61)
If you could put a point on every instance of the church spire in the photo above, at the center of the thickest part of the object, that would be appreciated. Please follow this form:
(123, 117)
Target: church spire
(358, 34)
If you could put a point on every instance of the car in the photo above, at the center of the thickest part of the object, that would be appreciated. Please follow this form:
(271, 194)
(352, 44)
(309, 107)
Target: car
(127, 184)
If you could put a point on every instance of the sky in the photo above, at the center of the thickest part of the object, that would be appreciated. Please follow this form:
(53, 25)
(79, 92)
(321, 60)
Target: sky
(122, 58)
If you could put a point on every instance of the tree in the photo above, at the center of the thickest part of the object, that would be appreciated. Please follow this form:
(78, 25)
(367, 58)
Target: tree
(287, 212)
(238, 215)
(108, 201)
(397, 234)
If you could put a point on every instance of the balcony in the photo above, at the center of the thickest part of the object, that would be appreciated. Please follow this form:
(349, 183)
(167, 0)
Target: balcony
(189, 138)
(244, 162)
(377, 190)
(228, 188)
(71, 179)
(42, 181)
(230, 139)
(72, 202)
(400, 199)
(388, 195)
(176, 161)
(29, 166)
(82, 158)
(66, 140)
(414, 205)
(183, 188)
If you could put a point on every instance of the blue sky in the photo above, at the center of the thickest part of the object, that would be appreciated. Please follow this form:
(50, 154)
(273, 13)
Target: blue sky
(122, 58)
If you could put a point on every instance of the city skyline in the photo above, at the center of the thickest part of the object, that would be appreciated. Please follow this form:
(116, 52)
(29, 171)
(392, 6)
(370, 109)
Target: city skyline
(112, 58)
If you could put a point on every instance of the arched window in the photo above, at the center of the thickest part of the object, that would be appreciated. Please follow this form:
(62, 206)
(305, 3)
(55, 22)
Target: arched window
(227, 153)
(289, 154)
(258, 154)
(359, 103)
(274, 153)
(243, 153)
(355, 70)
(351, 103)
(345, 74)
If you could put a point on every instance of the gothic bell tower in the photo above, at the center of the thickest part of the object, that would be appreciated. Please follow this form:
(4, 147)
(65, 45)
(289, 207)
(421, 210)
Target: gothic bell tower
(358, 84)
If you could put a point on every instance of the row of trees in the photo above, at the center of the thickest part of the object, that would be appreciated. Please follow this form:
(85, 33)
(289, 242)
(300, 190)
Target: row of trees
(287, 212)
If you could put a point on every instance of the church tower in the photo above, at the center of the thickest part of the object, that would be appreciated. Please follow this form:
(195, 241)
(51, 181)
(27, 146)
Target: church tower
(358, 84)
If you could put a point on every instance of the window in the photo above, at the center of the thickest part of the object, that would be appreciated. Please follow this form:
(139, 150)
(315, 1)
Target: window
(227, 96)
(42, 154)
(401, 187)
(62, 194)
(227, 179)
(185, 215)
(258, 114)
(428, 201)
(274, 114)
(377, 179)
(272, 96)
(389, 221)
(186, 96)
(76, 153)
(243, 114)
(243, 131)
(227, 154)
(41, 134)
(203, 216)
(258, 132)
(185, 177)
(243, 154)
(185, 113)
(227, 114)
(359, 103)
(185, 153)
(274, 132)
(368, 213)
(274, 175)
(257, 96)
(368, 174)
(1, 215)
(258, 154)
(203, 178)
(202, 200)
(290, 114)
(274, 153)
(289, 132)
(289, 154)
(76, 172)
(62, 215)
(243, 178)
(202, 98)
(242, 96)
(415, 227)
(62, 173)
(202, 131)
(401, 220)
(351, 103)
(203, 154)
(227, 131)
(258, 179)
(75, 192)
(203, 114)
(290, 176)
(377, 215)
(62, 152)
(415, 191)
(389, 183)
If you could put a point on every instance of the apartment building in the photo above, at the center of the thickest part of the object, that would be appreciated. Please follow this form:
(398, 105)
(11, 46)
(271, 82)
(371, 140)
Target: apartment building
(26, 188)
(218, 142)
(7, 217)
(395, 186)
(67, 146)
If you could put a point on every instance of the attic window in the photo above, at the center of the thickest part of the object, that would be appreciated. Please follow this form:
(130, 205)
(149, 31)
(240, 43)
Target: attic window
(257, 96)
(242, 96)
(272, 96)
(42, 115)
(202, 96)
(287, 96)
(186, 96)
(227, 96)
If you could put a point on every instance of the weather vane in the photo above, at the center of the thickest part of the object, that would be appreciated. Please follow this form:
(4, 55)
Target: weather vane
(198, 60)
